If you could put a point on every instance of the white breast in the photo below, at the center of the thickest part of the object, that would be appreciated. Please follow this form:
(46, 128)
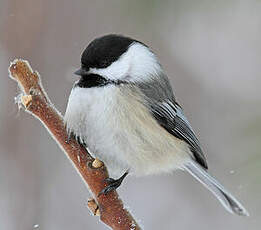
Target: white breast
(119, 130)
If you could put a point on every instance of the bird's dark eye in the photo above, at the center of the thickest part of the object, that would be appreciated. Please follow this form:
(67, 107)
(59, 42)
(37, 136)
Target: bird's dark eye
(103, 64)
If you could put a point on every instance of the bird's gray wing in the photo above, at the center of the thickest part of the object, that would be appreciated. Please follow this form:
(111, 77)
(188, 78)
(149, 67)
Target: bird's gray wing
(170, 116)
(162, 105)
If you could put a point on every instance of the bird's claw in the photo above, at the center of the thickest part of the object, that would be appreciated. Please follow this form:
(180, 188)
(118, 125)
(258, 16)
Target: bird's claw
(112, 184)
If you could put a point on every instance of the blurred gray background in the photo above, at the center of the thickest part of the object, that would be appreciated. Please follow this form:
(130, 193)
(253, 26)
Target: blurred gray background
(211, 51)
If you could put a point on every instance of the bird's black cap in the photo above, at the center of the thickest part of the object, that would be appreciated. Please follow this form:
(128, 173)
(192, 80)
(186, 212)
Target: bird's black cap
(103, 51)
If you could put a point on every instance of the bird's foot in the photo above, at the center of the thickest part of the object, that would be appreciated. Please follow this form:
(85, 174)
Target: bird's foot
(112, 184)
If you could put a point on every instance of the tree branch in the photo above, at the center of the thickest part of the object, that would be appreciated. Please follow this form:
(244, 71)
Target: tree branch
(93, 172)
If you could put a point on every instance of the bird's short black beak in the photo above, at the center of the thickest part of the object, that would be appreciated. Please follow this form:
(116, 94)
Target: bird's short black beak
(81, 72)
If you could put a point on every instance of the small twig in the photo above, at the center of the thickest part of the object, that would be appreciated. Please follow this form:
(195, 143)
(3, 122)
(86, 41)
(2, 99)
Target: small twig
(93, 172)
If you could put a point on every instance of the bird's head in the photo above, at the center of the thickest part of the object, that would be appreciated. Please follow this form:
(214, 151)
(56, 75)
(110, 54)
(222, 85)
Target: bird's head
(115, 57)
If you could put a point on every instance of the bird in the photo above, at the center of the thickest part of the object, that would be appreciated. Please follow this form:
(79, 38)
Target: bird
(123, 110)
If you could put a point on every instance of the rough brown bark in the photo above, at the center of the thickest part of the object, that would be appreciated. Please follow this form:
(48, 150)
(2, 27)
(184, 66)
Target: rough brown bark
(93, 172)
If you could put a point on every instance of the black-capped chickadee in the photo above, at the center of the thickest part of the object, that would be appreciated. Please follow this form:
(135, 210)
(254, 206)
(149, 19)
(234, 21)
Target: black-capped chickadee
(123, 109)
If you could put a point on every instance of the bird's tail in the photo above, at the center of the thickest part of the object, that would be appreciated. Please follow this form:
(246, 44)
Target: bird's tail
(225, 197)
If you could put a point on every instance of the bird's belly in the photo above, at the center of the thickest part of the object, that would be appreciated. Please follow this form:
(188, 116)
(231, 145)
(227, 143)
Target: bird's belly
(120, 131)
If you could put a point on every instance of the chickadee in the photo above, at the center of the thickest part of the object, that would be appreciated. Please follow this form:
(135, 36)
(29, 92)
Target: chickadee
(123, 109)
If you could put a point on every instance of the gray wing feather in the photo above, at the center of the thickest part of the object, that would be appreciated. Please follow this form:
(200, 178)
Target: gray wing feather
(161, 102)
